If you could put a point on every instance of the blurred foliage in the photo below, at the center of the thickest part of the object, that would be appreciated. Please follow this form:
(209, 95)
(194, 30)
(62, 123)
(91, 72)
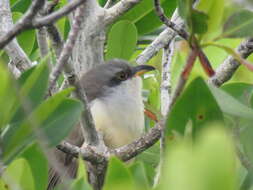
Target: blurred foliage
(202, 153)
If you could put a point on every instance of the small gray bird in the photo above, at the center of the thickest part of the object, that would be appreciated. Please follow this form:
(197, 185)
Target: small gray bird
(114, 91)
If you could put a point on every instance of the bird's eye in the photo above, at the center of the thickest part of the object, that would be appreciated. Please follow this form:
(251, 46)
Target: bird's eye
(122, 76)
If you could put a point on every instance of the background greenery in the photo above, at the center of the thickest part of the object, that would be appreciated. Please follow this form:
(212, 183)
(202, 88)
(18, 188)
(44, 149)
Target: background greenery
(202, 154)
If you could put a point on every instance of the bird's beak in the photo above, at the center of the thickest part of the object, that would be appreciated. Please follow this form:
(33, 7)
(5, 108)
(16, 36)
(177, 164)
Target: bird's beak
(141, 69)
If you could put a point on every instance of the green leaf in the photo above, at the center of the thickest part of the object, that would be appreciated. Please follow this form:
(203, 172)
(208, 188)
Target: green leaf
(18, 175)
(140, 10)
(122, 40)
(246, 136)
(184, 8)
(118, 176)
(33, 84)
(230, 105)
(102, 2)
(27, 38)
(3, 185)
(139, 175)
(240, 91)
(81, 180)
(39, 166)
(214, 9)
(80, 184)
(150, 21)
(199, 22)
(57, 115)
(144, 16)
(196, 104)
(7, 96)
(209, 163)
(81, 171)
(20, 6)
(240, 24)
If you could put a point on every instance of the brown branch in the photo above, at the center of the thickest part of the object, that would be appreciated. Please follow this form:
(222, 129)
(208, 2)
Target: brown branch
(184, 76)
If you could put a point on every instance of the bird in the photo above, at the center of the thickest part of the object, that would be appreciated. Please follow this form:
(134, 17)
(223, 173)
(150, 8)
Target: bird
(114, 93)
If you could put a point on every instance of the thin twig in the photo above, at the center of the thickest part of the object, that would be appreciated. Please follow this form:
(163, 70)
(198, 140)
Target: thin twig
(168, 53)
(161, 41)
(56, 39)
(28, 21)
(24, 23)
(41, 35)
(67, 49)
(184, 76)
(53, 33)
(51, 18)
(181, 32)
(160, 13)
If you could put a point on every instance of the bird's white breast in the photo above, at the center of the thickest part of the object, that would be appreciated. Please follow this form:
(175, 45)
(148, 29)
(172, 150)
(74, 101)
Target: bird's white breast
(120, 114)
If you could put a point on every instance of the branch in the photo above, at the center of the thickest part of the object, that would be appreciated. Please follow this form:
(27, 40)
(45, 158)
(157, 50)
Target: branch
(51, 18)
(191, 41)
(23, 23)
(19, 60)
(41, 35)
(168, 53)
(13, 69)
(160, 42)
(67, 49)
(129, 151)
(86, 152)
(226, 70)
(28, 21)
(160, 13)
(125, 153)
(118, 9)
(56, 39)
(108, 4)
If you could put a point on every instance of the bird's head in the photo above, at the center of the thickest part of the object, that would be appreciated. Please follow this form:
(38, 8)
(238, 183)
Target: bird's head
(110, 75)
